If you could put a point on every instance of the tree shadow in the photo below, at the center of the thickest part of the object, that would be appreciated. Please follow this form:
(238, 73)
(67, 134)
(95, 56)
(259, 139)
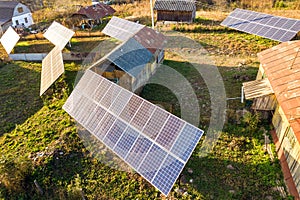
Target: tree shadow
(19, 94)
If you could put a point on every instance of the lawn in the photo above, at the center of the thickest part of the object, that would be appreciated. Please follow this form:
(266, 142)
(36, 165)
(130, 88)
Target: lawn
(43, 157)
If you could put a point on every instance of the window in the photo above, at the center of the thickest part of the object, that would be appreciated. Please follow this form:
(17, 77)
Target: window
(20, 9)
(26, 20)
(17, 22)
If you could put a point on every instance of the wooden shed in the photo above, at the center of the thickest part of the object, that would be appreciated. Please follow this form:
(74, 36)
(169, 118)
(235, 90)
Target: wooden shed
(277, 89)
(175, 10)
(135, 60)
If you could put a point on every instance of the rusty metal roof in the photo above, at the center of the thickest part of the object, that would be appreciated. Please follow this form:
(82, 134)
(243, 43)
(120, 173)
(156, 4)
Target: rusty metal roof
(175, 5)
(282, 67)
(150, 39)
(257, 88)
(95, 12)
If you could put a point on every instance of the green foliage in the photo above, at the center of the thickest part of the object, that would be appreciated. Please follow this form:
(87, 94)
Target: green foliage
(280, 4)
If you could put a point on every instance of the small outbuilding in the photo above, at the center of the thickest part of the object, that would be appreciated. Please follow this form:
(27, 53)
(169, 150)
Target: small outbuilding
(94, 14)
(131, 63)
(175, 10)
(14, 14)
(277, 90)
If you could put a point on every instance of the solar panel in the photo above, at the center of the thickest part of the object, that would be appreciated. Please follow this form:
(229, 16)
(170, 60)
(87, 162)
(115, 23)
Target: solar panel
(121, 29)
(152, 141)
(52, 68)
(9, 39)
(275, 28)
(58, 35)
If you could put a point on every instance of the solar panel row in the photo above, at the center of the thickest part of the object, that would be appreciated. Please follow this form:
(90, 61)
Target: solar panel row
(154, 142)
(265, 25)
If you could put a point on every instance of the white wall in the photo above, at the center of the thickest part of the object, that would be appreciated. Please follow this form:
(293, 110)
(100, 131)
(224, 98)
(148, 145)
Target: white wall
(21, 20)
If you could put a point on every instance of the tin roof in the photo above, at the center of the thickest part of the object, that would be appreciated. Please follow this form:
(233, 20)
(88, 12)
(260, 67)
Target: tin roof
(96, 11)
(282, 67)
(175, 5)
(121, 29)
(150, 39)
(257, 88)
(131, 57)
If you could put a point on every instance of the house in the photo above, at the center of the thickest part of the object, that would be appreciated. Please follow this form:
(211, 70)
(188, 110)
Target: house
(175, 10)
(14, 14)
(277, 89)
(94, 14)
(131, 63)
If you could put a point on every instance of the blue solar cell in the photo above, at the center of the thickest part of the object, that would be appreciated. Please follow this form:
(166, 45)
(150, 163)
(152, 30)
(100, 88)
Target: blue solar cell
(225, 22)
(287, 36)
(169, 132)
(273, 21)
(143, 115)
(110, 96)
(278, 34)
(270, 32)
(95, 118)
(263, 31)
(126, 142)
(89, 91)
(167, 174)
(186, 142)
(101, 90)
(254, 28)
(296, 26)
(264, 20)
(138, 152)
(281, 22)
(104, 126)
(151, 163)
(131, 108)
(289, 24)
(120, 102)
(155, 123)
(114, 134)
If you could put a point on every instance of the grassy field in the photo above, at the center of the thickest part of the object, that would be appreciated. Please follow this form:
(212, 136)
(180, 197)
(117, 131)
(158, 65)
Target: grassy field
(40, 145)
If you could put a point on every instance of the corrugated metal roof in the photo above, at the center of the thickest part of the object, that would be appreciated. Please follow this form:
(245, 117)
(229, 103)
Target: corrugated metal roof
(257, 88)
(150, 39)
(175, 5)
(131, 57)
(95, 12)
(282, 67)
(121, 29)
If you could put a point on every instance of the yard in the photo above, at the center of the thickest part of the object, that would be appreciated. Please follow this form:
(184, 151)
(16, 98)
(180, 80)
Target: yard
(43, 157)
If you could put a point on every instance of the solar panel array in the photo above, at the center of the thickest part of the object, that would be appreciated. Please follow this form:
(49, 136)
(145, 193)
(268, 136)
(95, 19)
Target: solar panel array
(52, 68)
(275, 28)
(58, 35)
(9, 39)
(121, 29)
(152, 141)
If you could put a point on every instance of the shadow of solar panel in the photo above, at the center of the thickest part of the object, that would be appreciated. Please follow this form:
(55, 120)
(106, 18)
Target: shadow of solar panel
(110, 96)
(167, 174)
(131, 108)
(95, 118)
(120, 102)
(9, 39)
(104, 126)
(169, 132)
(186, 142)
(114, 134)
(126, 142)
(138, 152)
(253, 22)
(152, 162)
(143, 115)
(155, 123)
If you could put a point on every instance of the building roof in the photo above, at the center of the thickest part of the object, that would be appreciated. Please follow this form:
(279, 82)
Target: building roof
(150, 39)
(282, 67)
(175, 5)
(7, 10)
(121, 29)
(96, 11)
(257, 88)
(131, 57)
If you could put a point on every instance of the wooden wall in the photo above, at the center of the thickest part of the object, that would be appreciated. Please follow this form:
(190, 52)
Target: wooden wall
(178, 16)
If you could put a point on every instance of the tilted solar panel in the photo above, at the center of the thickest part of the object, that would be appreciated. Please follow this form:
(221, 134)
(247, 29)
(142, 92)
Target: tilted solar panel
(152, 141)
(58, 35)
(9, 39)
(275, 28)
(52, 68)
